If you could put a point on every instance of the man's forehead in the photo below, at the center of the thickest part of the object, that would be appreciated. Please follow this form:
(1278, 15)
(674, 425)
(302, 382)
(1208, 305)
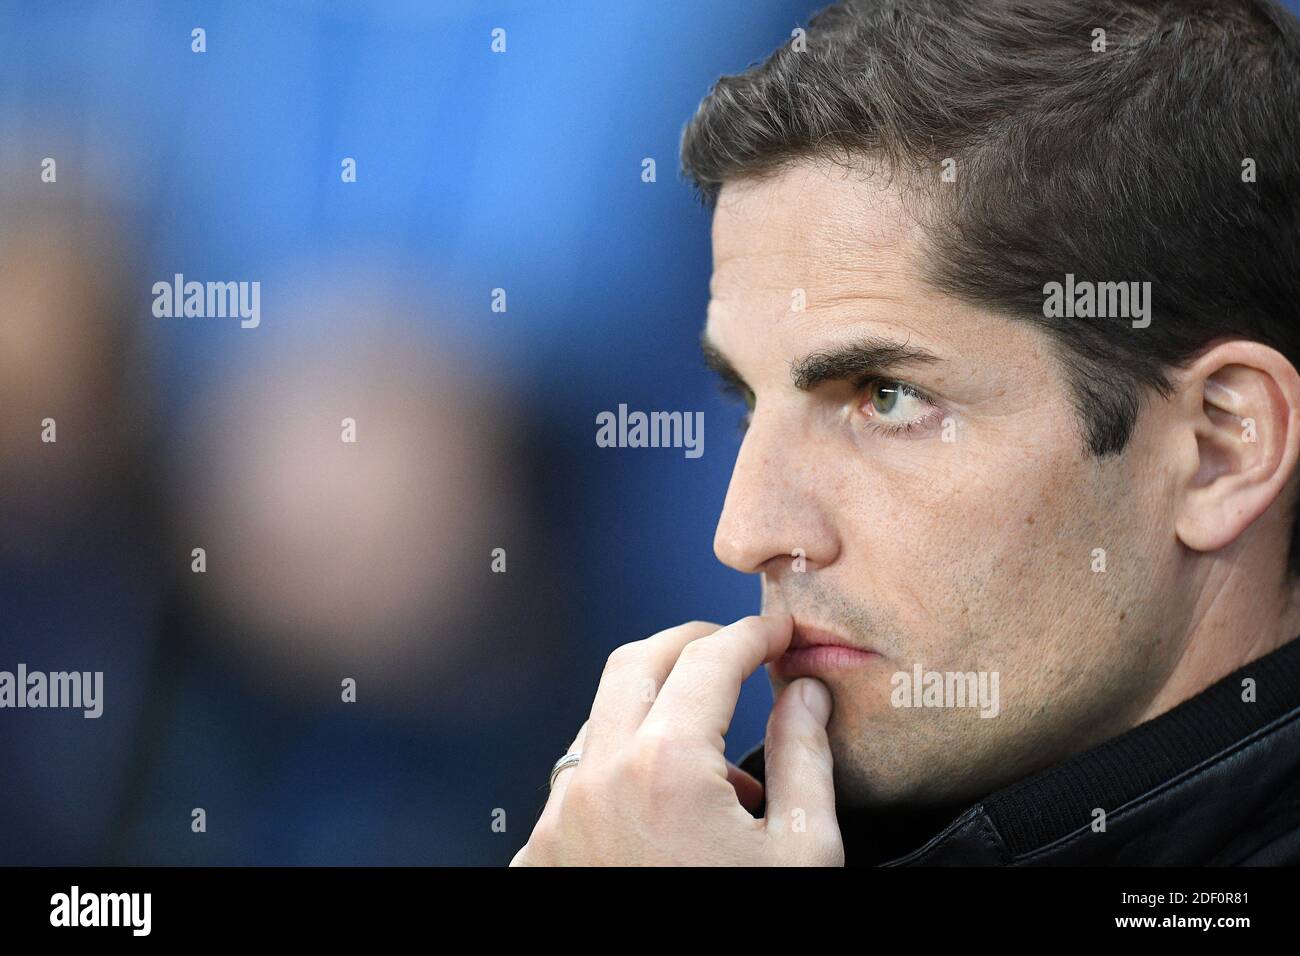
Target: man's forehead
(818, 256)
(809, 239)
(816, 217)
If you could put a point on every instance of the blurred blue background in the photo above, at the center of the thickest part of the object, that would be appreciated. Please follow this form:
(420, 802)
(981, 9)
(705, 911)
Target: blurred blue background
(476, 171)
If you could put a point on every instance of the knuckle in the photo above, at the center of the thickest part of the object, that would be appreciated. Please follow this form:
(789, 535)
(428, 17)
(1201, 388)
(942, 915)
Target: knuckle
(706, 657)
(655, 755)
(800, 751)
(624, 654)
(656, 770)
(700, 651)
(806, 746)
(585, 799)
(812, 744)
(692, 631)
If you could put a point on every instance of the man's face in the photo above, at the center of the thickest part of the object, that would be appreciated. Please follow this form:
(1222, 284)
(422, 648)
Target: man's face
(952, 523)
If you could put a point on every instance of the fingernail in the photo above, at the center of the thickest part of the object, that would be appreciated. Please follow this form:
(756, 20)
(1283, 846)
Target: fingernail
(816, 698)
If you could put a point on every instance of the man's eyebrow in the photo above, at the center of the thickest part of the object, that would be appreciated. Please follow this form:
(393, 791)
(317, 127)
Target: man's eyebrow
(715, 360)
(869, 356)
(865, 357)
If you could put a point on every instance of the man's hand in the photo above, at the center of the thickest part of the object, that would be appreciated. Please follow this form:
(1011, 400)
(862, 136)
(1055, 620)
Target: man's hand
(654, 786)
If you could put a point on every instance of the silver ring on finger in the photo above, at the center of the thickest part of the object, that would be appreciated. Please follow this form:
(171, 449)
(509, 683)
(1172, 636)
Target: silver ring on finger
(564, 763)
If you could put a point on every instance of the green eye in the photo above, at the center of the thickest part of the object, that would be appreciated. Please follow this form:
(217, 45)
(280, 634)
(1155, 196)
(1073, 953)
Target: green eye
(894, 407)
(884, 396)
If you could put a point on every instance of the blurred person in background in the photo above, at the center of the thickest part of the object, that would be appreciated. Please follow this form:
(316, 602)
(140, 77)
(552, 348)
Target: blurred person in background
(365, 561)
(80, 526)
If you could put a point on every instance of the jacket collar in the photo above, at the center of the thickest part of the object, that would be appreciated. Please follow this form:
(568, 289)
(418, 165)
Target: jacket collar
(1182, 788)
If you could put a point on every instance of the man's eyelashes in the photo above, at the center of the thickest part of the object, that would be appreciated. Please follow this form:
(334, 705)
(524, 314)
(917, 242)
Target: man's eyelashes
(892, 407)
(887, 406)
(741, 395)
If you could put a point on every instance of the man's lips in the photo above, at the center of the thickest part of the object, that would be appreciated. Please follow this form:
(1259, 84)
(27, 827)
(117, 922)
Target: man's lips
(814, 651)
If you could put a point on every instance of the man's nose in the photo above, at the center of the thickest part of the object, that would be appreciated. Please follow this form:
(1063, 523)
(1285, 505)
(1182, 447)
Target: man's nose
(774, 507)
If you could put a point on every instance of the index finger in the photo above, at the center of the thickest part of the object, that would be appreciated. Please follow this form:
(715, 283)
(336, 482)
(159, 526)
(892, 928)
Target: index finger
(699, 697)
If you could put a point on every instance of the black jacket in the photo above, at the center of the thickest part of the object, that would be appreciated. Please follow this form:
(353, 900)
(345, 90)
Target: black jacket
(1215, 782)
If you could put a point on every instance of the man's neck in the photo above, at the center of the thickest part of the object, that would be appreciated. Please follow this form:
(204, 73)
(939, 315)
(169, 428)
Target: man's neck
(1239, 618)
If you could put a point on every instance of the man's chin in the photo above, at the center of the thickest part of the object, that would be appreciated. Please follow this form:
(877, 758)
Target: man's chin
(859, 790)
(875, 767)
(870, 748)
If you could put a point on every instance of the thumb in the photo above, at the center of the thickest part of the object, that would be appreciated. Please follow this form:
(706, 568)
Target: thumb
(798, 773)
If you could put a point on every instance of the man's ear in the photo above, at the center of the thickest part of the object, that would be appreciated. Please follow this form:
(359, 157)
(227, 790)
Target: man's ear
(1241, 401)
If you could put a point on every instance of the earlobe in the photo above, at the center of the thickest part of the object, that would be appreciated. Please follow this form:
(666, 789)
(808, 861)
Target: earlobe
(1247, 434)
